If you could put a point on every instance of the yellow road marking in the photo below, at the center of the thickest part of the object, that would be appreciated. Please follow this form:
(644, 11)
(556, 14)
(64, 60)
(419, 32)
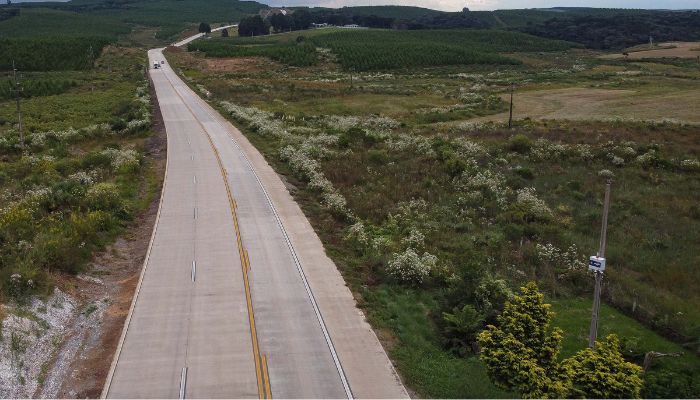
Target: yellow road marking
(268, 390)
(264, 391)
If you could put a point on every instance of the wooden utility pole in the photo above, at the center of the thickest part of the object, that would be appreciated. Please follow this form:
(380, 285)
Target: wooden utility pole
(510, 116)
(597, 265)
(18, 96)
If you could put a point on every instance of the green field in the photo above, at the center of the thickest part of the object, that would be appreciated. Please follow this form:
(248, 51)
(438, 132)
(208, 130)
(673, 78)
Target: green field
(371, 50)
(391, 166)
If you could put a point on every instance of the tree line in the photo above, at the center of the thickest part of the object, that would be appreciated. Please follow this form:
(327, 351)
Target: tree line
(618, 31)
(615, 30)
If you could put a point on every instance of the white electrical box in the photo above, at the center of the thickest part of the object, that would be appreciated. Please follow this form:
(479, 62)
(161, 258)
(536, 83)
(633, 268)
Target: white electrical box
(596, 264)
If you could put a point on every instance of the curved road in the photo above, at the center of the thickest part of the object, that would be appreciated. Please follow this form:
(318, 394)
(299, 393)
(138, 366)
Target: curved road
(237, 298)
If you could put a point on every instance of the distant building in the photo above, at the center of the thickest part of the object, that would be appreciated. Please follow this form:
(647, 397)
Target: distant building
(268, 12)
(323, 25)
(351, 26)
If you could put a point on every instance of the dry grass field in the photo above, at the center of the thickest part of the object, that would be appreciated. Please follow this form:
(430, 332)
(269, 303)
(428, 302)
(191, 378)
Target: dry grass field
(603, 104)
(663, 50)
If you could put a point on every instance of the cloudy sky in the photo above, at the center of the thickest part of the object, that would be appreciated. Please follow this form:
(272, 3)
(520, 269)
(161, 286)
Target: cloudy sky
(455, 5)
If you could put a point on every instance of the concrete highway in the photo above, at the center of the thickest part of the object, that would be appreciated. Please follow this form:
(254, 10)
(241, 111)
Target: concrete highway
(237, 298)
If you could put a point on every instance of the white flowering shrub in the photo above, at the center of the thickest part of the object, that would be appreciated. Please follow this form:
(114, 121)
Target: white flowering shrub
(617, 161)
(483, 184)
(357, 233)
(559, 259)
(606, 174)
(305, 167)
(410, 268)
(82, 177)
(468, 148)
(417, 143)
(335, 202)
(544, 150)
(584, 152)
(260, 121)
(533, 205)
(415, 239)
(690, 165)
(648, 159)
(122, 160)
(103, 196)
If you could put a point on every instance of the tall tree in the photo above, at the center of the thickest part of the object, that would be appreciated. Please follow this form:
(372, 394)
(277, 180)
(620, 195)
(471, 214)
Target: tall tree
(204, 28)
(302, 19)
(253, 26)
(281, 22)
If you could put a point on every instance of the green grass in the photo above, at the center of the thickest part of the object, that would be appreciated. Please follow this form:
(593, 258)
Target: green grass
(668, 377)
(422, 360)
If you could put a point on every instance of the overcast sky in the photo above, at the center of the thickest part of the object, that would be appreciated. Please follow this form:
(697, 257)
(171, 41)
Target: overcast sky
(455, 5)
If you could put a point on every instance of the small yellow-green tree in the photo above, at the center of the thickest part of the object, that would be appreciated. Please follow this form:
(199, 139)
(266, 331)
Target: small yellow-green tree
(603, 373)
(521, 352)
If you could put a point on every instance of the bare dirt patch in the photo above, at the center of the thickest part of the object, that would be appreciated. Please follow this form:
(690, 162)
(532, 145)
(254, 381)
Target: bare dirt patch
(237, 65)
(106, 292)
(664, 50)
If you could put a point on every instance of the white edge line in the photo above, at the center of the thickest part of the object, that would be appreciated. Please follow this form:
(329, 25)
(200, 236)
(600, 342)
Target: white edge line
(117, 353)
(300, 269)
(183, 382)
(309, 292)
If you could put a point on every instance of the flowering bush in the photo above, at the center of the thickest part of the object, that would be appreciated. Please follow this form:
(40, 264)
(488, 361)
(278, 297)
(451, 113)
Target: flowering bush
(408, 267)
(690, 165)
(559, 259)
(415, 239)
(536, 207)
(544, 150)
(122, 160)
(260, 121)
(103, 196)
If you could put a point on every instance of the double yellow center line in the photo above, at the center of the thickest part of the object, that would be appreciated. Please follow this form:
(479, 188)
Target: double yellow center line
(264, 390)
(261, 371)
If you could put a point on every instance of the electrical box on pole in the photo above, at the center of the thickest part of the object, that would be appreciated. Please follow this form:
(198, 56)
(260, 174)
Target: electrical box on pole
(596, 264)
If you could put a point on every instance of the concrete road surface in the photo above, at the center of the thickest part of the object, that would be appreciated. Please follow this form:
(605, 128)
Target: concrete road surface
(237, 298)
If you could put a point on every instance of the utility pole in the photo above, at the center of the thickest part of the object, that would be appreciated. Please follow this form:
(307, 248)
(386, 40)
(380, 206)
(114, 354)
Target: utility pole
(18, 91)
(510, 116)
(597, 265)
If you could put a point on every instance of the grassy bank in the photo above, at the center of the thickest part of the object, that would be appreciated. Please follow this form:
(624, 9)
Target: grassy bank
(433, 219)
(81, 174)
